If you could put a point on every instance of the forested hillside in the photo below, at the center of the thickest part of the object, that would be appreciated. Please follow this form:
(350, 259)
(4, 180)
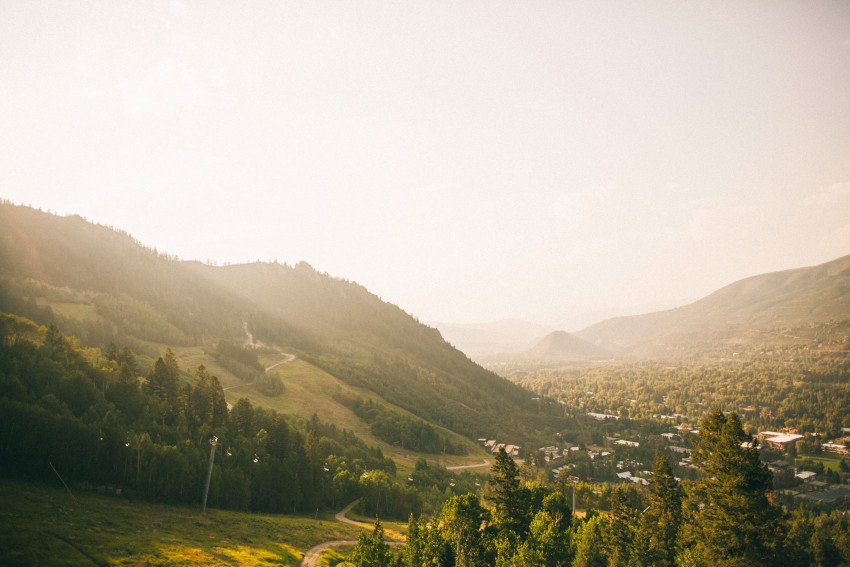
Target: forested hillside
(86, 416)
(101, 286)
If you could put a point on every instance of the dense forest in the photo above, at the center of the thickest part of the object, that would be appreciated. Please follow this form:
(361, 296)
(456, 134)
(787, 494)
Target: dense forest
(85, 415)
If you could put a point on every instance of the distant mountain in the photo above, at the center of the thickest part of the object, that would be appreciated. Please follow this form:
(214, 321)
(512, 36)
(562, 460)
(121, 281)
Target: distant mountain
(768, 301)
(561, 344)
(497, 337)
(101, 285)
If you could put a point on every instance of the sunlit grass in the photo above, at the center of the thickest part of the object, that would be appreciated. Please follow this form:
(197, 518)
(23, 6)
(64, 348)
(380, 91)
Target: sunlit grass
(310, 390)
(42, 524)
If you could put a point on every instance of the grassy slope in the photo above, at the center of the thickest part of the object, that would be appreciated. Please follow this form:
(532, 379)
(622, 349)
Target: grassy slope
(43, 525)
(309, 390)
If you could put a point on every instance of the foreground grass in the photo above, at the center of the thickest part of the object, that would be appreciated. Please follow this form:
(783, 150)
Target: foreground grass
(43, 525)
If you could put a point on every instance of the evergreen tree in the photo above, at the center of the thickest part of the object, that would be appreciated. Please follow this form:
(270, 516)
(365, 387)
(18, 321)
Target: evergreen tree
(163, 382)
(277, 440)
(731, 515)
(242, 416)
(128, 369)
(207, 399)
(625, 502)
(371, 551)
(659, 525)
(590, 543)
(510, 498)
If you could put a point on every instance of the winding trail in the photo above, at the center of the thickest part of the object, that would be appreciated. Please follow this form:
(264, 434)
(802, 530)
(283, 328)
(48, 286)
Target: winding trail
(311, 556)
(340, 516)
(289, 358)
(250, 342)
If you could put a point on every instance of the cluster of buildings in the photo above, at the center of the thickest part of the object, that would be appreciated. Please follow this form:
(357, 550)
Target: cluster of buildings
(493, 446)
(628, 476)
(840, 446)
(813, 492)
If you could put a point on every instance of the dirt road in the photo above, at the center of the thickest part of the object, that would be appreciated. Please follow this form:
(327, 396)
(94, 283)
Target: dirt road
(289, 358)
(486, 463)
(311, 556)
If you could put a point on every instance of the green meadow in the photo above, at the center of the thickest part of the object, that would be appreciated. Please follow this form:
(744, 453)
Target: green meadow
(44, 525)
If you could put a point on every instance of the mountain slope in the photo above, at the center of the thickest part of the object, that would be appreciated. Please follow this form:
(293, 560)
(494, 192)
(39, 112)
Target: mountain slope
(560, 344)
(774, 300)
(101, 285)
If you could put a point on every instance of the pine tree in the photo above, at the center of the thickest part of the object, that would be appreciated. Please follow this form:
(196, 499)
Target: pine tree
(733, 520)
(510, 498)
(590, 543)
(371, 551)
(624, 521)
(243, 417)
(163, 383)
(659, 525)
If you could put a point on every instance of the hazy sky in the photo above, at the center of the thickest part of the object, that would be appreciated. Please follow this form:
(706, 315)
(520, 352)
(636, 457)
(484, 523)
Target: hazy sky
(468, 161)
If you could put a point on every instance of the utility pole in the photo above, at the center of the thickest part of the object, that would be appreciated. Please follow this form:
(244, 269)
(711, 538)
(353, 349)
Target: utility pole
(213, 442)
(574, 480)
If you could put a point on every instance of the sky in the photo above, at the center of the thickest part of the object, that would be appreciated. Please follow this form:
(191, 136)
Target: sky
(469, 161)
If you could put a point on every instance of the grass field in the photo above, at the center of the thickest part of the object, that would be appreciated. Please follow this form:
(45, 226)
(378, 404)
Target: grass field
(829, 461)
(43, 525)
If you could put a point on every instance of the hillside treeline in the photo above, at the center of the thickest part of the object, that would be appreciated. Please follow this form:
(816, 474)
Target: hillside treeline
(85, 415)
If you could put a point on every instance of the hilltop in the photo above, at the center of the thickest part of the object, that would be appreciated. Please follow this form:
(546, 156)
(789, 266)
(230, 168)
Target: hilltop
(560, 344)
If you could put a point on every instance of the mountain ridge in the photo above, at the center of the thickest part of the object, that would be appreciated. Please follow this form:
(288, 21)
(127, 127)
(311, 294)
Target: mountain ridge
(785, 298)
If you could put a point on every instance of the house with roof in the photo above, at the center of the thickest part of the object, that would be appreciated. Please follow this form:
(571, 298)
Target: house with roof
(805, 475)
(836, 448)
(778, 440)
